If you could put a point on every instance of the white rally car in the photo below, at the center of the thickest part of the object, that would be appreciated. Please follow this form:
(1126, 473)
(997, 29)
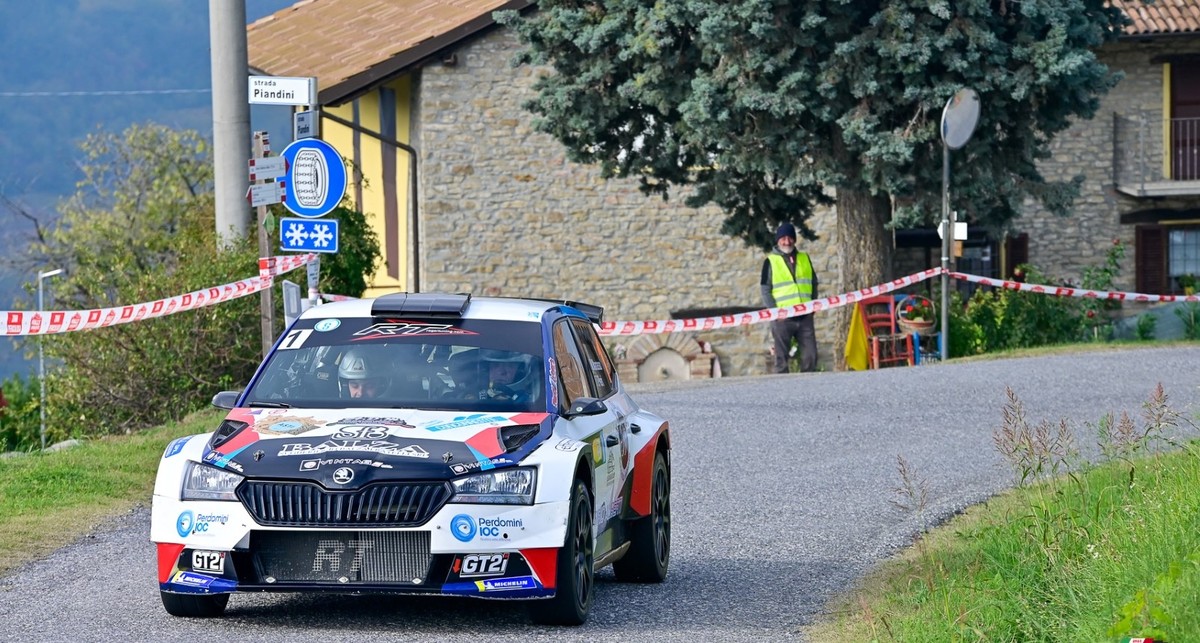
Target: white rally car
(422, 444)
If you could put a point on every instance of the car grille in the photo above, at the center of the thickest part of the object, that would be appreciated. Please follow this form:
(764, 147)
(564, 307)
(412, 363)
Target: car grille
(304, 504)
(341, 557)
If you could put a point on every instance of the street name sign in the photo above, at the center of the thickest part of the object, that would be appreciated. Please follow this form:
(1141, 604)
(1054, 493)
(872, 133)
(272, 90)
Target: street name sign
(304, 124)
(282, 90)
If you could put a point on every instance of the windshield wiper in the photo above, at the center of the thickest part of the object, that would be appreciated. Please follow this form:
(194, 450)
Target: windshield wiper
(269, 405)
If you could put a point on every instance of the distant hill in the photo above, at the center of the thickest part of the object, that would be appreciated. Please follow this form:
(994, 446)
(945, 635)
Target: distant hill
(68, 67)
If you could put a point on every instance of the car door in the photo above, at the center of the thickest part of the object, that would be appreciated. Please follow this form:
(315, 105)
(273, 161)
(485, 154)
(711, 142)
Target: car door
(601, 431)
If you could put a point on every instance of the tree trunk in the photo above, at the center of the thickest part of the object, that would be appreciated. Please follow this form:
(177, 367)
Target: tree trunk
(865, 246)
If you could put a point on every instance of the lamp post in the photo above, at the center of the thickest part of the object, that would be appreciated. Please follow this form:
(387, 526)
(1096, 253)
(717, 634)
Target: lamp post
(41, 355)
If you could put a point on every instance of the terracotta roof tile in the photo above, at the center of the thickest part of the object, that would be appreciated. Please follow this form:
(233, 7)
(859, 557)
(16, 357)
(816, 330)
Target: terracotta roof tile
(342, 41)
(1160, 17)
(337, 40)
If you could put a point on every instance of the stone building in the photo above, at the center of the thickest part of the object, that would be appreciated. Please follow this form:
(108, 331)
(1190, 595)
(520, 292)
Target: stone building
(420, 96)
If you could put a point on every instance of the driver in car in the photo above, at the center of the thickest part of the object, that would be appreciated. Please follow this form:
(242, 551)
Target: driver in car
(362, 375)
(507, 375)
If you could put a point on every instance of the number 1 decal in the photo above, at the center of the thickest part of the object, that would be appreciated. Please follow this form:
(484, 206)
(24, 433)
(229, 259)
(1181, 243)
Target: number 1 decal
(294, 339)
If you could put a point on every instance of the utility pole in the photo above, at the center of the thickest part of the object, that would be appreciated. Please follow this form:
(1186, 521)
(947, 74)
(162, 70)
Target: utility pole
(231, 117)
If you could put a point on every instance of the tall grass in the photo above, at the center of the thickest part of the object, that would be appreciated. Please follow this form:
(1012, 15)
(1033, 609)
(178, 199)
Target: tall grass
(1076, 552)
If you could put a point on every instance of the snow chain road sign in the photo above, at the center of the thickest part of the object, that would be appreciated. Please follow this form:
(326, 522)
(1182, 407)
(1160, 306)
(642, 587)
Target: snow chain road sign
(316, 177)
(308, 235)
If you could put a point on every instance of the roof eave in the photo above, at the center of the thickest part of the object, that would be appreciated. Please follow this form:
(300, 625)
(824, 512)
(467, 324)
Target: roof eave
(364, 81)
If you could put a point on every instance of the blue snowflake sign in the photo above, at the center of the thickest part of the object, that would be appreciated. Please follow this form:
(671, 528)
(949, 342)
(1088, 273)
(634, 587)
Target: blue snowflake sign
(308, 235)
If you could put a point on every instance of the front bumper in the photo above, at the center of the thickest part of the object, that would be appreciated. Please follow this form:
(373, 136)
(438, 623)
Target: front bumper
(487, 551)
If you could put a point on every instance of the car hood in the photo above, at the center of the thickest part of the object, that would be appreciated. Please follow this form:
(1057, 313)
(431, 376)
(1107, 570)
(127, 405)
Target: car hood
(328, 445)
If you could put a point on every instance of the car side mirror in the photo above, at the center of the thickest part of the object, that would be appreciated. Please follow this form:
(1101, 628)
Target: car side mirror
(585, 406)
(226, 399)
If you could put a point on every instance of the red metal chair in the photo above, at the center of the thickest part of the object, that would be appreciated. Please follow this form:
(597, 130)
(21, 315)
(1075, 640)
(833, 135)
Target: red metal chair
(889, 346)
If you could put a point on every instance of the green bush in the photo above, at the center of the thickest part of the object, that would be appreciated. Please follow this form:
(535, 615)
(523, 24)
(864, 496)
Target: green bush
(20, 420)
(1146, 327)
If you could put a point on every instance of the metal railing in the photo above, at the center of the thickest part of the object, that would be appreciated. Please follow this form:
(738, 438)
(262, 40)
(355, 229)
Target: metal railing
(1138, 147)
(1185, 149)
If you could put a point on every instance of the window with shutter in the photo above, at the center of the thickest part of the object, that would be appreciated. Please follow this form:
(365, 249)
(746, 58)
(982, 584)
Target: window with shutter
(1150, 259)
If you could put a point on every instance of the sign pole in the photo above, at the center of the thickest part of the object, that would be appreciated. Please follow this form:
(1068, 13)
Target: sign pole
(947, 233)
(267, 303)
(959, 118)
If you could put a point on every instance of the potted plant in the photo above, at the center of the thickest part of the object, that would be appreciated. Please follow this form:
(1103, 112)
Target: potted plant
(1188, 283)
(916, 314)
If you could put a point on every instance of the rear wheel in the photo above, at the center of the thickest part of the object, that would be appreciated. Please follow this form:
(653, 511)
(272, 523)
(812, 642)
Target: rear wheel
(650, 537)
(194, 605)
(576, 568)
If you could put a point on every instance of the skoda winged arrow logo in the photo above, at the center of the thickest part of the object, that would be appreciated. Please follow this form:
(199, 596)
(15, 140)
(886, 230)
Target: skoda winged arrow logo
(343, 475)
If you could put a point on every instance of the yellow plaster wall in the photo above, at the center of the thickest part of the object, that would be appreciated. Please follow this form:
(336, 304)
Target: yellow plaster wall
(370, 154)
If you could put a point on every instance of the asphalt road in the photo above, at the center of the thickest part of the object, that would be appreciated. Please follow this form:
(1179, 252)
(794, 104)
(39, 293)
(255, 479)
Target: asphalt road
(781, 499)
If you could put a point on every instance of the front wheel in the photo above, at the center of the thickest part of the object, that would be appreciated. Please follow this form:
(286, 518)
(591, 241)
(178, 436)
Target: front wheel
(650, 537)
(576, 568)
(194, 605)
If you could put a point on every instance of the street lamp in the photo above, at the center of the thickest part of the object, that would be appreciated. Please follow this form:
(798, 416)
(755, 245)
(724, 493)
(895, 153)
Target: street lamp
(41, 355)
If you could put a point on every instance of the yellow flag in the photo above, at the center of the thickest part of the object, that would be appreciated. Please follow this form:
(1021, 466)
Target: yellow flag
(856, 341)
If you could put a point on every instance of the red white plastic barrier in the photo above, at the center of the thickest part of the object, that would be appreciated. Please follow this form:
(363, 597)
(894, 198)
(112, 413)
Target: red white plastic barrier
(329, 297)
(48, 322)
(1063, 291)
(654, 327)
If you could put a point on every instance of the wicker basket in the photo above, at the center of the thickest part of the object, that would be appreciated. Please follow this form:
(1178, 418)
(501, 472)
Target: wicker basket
(919, 327)
(923, 327)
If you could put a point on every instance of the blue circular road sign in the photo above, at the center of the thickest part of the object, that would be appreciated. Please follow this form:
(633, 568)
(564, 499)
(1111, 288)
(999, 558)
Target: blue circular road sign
(315, 179)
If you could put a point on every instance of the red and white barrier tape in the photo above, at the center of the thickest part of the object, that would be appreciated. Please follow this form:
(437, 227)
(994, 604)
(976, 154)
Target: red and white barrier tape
(1063, 291)
(48, 322)
(19, 322)
(758, 316)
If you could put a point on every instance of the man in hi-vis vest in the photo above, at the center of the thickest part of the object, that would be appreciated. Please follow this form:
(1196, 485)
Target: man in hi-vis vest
(788, 279)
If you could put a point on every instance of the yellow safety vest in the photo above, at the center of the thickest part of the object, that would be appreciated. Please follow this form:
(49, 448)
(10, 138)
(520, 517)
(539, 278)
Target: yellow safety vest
(786, 290)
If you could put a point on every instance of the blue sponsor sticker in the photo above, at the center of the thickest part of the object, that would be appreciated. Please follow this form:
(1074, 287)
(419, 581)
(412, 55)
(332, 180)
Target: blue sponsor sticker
(463, 527)
(184, 524)
(176, 446)
(468, 420)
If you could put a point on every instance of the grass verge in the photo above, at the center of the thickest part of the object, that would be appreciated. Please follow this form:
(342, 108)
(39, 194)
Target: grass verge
(1074, 553)
(48, 500)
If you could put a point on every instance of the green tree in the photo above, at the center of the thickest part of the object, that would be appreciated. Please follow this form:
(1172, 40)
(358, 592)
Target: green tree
(140, 228)
(759, 105)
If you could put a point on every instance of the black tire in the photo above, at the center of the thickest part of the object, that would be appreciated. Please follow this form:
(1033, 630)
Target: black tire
(194, 605)
(576, 568)
(649, 552)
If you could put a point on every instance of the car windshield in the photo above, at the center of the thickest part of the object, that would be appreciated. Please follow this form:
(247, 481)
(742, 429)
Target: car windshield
(422, 364)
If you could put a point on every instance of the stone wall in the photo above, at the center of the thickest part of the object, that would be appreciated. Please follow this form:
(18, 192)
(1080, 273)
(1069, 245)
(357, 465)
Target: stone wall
(1063, 247)
(503, 212)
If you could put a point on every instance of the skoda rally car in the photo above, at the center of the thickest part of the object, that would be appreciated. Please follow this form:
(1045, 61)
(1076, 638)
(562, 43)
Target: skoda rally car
(422, 444)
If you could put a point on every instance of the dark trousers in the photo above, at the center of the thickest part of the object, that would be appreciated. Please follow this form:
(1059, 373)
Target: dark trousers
(801, 328)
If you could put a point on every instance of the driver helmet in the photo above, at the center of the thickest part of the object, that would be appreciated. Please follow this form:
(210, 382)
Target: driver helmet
(361, 364)
(489, 356)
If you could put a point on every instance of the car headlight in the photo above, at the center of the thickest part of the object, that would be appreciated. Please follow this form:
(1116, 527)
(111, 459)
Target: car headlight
(202, 482)
(503, 487)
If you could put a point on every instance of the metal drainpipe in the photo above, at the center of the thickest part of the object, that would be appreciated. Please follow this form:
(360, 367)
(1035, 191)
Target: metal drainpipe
(412, 172)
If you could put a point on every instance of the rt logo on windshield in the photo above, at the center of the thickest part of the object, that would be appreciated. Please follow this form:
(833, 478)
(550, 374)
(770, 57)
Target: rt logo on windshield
(343, 475)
